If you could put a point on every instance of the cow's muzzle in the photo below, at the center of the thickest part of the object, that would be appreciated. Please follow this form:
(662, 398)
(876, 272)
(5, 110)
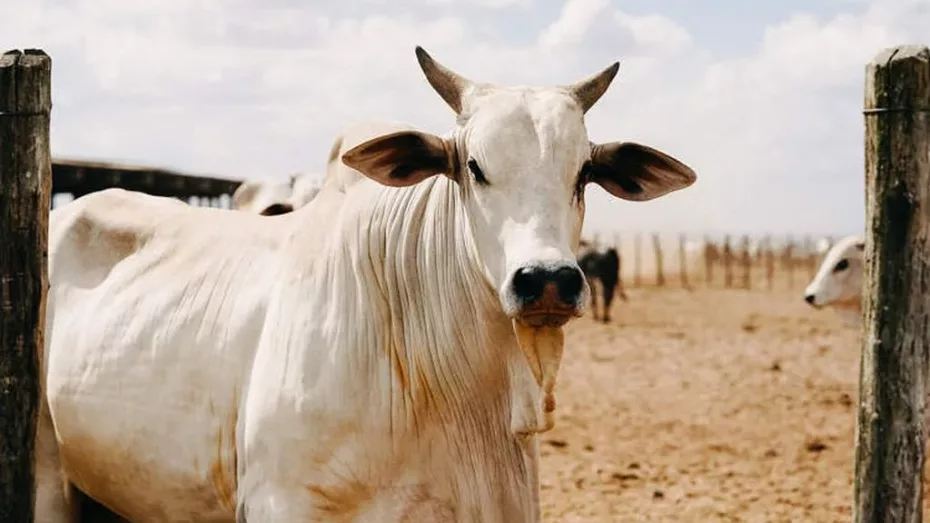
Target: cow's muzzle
(548, 295)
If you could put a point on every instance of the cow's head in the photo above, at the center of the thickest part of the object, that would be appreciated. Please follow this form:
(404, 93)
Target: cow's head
(263, 197)
(521, 158)
(838, 281)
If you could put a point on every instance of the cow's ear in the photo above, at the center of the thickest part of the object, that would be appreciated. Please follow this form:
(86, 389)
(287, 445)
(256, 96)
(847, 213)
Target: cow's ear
(402, 158)
(636, 172)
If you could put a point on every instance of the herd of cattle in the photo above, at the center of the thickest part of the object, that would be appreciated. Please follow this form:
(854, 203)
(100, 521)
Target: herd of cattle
(381, 346)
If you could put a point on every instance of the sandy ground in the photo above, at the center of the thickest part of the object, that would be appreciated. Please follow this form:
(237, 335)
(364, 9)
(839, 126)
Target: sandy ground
(704, 406)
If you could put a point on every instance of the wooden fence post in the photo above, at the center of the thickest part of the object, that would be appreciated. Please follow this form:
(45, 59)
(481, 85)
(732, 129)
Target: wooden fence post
(810, 255)
(710, 258)
(657, 247)
(683, 262)
(727, 262)
(769, 262)
(891, 434)
(25, 198)
(747, 263)
(788, 260)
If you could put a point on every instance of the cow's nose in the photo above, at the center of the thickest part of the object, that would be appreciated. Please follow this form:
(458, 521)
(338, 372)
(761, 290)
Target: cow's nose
(809, 298)
(529, 283)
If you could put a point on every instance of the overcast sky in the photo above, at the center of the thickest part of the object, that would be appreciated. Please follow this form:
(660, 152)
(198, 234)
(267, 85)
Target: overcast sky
(762, 98)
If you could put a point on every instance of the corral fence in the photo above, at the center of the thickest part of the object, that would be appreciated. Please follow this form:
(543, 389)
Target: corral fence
(74, 178)
(730, 261)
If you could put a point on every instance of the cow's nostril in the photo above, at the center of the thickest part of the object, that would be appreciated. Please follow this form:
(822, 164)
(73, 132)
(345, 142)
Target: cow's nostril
(527, 284)
(569, 281)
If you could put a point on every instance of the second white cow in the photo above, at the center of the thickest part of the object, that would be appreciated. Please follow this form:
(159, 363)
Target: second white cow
(838, 282)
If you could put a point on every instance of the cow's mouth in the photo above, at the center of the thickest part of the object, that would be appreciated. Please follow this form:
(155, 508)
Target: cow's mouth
(547, 317)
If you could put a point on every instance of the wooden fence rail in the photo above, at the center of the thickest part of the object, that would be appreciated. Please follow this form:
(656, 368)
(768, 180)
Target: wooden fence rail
(25, 189)
(79, 177)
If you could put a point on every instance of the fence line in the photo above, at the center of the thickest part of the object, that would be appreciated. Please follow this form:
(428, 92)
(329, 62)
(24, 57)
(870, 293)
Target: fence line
(76, 178)
(736, 261)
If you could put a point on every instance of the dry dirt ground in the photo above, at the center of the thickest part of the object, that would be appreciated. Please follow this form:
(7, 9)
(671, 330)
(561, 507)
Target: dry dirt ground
(704, 406)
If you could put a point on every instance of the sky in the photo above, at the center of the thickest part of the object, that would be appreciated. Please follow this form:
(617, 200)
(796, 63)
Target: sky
(762, 99)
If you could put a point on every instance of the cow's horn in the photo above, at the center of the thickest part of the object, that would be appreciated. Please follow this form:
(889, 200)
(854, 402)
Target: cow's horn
(590, 90)
(450, 85)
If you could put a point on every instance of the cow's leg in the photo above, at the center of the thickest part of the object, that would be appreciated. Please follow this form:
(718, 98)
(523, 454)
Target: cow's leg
(608, 299)
(54, 502)
(620, 289)
(591, 285)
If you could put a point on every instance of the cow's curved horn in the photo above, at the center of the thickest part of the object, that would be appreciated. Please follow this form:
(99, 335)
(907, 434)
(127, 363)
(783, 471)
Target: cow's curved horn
(590, 90)
(450, 85)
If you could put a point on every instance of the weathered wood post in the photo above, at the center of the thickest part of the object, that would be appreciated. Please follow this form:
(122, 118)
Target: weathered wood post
(788, 260)
(747, 263)
(709, 260)
(683, 262)
(727, 262)
(637, 260)
(810, 255)
(25, 197)
(657, 247)
(769, 262)
(891, 432)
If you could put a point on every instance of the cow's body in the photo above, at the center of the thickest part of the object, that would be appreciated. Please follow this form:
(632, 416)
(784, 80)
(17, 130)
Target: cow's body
(151, 339)
(385, 353)
(602, 266)
(175, 335)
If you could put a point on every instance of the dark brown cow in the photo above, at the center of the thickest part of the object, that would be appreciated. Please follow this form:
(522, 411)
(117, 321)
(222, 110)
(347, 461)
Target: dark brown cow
(602, 266)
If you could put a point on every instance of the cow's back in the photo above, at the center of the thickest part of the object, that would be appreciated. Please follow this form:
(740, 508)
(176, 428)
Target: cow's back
(153, 315)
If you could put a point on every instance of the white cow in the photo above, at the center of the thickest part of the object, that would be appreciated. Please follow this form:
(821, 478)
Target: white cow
(393, 365)
(838, 282)
(272, 197)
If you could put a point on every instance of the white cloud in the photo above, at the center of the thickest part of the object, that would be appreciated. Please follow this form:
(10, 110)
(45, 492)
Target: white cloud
(250, 88)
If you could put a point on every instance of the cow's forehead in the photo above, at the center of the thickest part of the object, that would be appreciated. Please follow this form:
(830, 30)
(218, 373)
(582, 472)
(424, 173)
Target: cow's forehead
(845, 248)
(527, 121)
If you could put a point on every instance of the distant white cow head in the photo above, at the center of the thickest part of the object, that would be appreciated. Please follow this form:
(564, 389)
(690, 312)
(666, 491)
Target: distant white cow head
(265, 197)
(304, 188)
(838, 282)
(521, 158)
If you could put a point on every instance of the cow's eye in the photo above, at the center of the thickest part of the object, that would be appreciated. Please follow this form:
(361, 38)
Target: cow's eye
(842, 265)
(476, 172)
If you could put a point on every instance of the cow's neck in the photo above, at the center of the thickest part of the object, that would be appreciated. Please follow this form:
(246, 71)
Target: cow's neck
(434, 320)
(442, 316)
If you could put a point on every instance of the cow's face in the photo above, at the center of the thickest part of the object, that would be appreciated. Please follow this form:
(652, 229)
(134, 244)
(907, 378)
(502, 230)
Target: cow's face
(838, 281)
(522, 158)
